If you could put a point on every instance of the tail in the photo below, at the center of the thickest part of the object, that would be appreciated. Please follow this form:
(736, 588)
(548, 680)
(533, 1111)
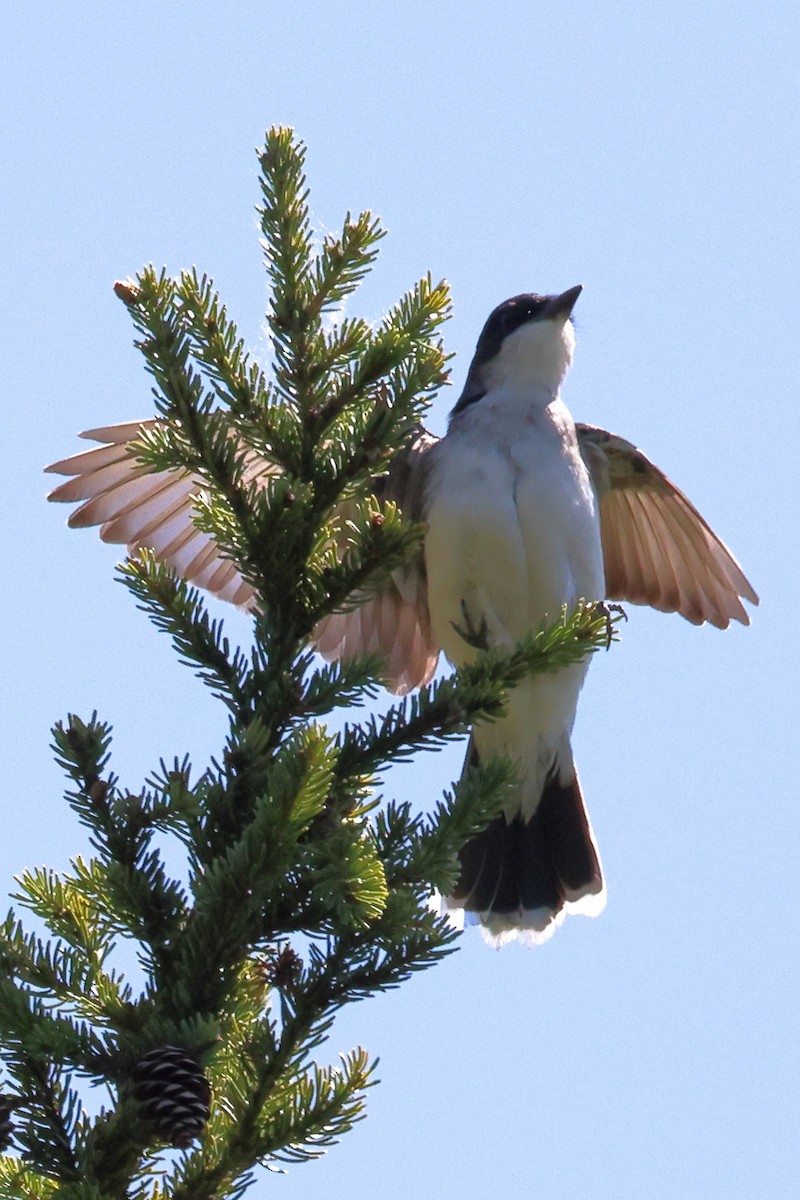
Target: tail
(521, 877)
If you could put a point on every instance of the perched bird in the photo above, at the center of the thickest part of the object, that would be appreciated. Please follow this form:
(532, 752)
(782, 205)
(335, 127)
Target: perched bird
(525, 512)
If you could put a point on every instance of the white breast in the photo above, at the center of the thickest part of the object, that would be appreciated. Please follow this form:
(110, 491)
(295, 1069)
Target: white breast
(513, 530)
(513, 535)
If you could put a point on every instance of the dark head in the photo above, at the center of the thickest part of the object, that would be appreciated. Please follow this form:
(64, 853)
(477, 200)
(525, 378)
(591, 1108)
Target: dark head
(525, 345)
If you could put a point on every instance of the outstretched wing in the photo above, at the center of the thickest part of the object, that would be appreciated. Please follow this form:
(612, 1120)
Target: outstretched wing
(152, 510)
(393, 622)
(145, 509)
(657, 548)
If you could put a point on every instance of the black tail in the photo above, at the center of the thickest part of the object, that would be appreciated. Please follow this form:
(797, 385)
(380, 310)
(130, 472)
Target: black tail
(519, 875)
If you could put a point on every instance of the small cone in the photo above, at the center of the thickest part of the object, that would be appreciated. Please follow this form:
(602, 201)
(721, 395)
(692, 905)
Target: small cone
(173, 1094)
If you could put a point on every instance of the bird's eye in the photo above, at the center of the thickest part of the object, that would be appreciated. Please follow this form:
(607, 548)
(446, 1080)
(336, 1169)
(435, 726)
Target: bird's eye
(520, 314)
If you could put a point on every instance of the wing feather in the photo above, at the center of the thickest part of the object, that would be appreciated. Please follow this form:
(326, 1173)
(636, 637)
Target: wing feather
(143, 509)
(663, 560)
(657, 548)
(154, 510)
(393, 622)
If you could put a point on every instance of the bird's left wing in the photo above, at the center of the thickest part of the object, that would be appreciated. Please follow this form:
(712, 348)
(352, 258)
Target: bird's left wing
(141, 508)
(657, 548)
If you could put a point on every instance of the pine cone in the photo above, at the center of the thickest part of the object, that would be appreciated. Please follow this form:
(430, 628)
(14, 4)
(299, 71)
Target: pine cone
(7, 1106)
(283, 969)
(173, 1093)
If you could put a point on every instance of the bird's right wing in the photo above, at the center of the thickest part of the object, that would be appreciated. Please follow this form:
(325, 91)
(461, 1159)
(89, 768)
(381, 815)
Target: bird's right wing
(154, 510)
(394, 622)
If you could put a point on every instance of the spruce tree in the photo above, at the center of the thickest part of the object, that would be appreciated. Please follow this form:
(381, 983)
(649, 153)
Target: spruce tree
(301, 892)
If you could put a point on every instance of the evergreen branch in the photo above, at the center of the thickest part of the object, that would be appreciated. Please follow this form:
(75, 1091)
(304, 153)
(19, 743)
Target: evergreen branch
(47, 1118)
(268, 427)
(346, 877)
(257, 518)
(71, 974)
(163, 446)
(166, 345)
(239, 383)
(179, 610)
(348, 339)
(371, 544)
(478, 690)
(342, 684)
(18, 1181)
(66, 912)
(82, 750)
(314, 1113)
(422, 310)
(267, 529)
(432, 854)
(237, 889)
(113, 1151)
(152, 906)
(353, 968)
(326, 988)
(344, 261)
(193, 438)
(54, 1107)
(169, 801)
(204, 443)
(403, 344)
(288, 248)
(32, 1034)
(422, 853)
(354, 452)
(135, 886)
(300, 1118)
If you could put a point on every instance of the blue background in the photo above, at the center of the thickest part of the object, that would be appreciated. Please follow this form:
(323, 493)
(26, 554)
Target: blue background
(648, 152)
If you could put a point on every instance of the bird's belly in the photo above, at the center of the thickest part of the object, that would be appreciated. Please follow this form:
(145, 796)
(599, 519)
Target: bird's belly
(512, 537)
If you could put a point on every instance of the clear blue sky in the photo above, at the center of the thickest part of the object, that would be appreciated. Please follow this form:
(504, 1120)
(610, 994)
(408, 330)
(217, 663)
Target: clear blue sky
(646, 151)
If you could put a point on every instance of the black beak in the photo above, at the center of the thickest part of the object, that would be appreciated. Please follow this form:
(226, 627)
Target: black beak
(562, 306)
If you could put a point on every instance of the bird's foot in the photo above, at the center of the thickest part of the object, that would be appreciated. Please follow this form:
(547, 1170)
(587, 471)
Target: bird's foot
(605, 610)
(477, 638)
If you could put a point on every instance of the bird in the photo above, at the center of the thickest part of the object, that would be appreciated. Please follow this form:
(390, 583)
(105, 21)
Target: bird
(526, 514)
